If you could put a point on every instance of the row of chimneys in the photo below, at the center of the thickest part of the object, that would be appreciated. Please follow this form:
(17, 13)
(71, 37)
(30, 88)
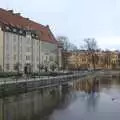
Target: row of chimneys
(18, 14)
(11, 11)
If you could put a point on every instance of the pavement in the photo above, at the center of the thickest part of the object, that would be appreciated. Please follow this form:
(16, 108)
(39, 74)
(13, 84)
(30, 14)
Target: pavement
(21, 80)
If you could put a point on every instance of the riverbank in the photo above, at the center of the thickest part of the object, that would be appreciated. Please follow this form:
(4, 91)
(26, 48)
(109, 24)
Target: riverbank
(17, 86)
(29, 84)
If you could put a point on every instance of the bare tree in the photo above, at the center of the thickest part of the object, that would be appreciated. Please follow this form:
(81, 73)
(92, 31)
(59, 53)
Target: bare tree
(67, 45)
(91, 46)
(63, 40)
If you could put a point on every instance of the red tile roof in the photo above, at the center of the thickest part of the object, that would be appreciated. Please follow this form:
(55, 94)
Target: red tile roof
(9, 18)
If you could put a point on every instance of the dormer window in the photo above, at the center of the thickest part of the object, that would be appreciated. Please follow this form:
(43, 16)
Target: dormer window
(14, 30)
(24, 32)
(7, 28)
(28, 35)
(37, 37)
(20, 31)
(33, 35)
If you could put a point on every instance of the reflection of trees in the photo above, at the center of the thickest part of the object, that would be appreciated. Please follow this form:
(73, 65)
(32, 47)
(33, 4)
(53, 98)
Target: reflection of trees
(92, 100)
(87, 86)
(91, 88)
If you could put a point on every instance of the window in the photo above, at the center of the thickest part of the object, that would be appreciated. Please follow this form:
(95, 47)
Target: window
(37, 58)
(21, 32)
(7, 56)
(7, 45)
(46, 58)
(7, 28)
(14, 30)
(38, 43)
(27, 57)
(42, 59)
(15, 57)
(28, 49)
(20, 56)
(33, 35)
(15, 48)
(51, 58)
(14, 38)
(7, 40)
(7, 66)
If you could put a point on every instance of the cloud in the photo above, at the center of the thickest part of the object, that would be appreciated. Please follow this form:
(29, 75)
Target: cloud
(75, 19)
(109, 42)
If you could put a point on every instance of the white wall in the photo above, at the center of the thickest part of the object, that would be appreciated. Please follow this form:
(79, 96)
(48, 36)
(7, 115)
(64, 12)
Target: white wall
(1, 48)
(17, 47)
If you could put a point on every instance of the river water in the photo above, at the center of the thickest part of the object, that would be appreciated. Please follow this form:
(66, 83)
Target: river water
(90, 99)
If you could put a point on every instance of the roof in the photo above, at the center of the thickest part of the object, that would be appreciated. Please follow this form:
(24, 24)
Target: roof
(7, 17)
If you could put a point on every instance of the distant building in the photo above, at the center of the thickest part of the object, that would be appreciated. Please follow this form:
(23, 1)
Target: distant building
(25, 43)
(78, 60)
(75, 60)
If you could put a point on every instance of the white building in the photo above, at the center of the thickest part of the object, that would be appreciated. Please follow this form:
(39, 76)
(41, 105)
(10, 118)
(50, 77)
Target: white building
(24, 42)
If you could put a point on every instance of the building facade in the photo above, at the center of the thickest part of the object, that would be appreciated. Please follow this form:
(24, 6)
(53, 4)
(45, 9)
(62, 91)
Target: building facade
(26, 44)
(79, 60)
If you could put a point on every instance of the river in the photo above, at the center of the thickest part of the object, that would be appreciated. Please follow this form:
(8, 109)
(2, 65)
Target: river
(94, 98)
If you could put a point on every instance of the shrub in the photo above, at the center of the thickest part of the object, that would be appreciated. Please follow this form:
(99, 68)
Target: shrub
(9, 74)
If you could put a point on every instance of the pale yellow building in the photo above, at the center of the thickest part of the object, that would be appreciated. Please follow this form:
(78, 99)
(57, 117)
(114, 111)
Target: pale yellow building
(96, 60)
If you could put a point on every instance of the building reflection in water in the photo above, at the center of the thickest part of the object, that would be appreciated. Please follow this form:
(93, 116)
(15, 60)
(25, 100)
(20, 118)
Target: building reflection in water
(31, 106)
(91, 89)
(40, 104)
(90, 85)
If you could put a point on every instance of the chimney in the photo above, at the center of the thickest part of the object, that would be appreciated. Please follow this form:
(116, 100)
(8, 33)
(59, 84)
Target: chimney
(18, 14)
(11, 11)
(27, 19)
(47, 26)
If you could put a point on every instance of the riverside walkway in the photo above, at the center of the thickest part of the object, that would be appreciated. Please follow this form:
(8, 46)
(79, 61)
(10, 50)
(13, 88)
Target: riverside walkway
(23, 85)
(57, 78)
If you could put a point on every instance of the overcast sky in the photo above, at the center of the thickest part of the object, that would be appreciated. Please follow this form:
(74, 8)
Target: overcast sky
(76, 19)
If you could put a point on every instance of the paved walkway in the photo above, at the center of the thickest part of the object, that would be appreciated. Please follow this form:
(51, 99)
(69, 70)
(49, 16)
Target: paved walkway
(12, 81)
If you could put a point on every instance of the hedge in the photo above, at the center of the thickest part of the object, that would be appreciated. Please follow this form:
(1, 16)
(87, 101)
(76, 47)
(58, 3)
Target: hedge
(51, 74)
(15, 74)
(10, 74)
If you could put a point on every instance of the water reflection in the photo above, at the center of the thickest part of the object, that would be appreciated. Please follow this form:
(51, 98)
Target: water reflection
(85, 99)
(30, 106)
(90, 85)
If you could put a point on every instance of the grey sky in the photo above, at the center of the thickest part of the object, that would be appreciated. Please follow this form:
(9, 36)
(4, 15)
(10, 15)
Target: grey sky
(76, 19)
